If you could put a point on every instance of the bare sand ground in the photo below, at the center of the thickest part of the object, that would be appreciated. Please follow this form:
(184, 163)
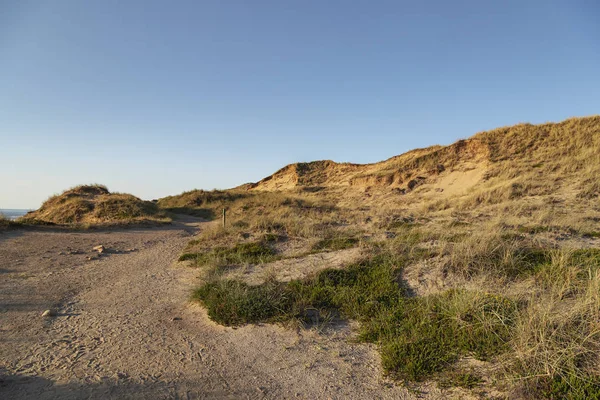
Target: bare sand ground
(126, 329)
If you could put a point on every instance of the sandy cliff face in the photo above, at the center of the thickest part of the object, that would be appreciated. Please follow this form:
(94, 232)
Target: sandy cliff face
(560, 160)
(564, 155)
(404, 172)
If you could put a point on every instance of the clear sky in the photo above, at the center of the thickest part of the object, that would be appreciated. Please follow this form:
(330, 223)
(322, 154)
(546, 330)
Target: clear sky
(158, 97)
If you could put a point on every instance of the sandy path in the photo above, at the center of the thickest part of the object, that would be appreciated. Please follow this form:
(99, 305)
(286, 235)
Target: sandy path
(127, 330)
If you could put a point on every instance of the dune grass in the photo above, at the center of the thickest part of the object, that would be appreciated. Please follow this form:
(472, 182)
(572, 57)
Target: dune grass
(289, 213)
(95, 205)
(533, 313)
(417, 336)
(335, 243)
(517, 254)
(330, 289)
(430, 333)
(250, 253)
(546, 338)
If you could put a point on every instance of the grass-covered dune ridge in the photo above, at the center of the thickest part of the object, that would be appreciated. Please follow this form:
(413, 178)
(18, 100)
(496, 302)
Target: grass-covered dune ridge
(564, 147)
(529, 311)
(478, 263)
(94, 204)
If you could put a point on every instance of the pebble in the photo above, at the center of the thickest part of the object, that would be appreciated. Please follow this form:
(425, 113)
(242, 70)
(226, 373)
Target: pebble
(49, 313)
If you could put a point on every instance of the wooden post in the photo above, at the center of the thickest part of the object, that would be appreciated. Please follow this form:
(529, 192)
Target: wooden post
(224, 218)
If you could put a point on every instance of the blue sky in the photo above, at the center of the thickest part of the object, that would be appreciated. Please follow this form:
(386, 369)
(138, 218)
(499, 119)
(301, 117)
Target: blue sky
(158, 97)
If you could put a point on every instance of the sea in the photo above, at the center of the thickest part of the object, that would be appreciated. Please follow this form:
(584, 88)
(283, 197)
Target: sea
(13, 213)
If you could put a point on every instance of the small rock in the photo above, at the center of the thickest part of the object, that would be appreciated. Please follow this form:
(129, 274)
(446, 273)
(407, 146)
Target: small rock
(176, 319)
(100, 249)
(49, 313)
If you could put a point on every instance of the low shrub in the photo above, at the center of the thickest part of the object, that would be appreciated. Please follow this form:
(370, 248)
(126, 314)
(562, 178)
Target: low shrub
(335, 243)
(417, 336)
(250, 253)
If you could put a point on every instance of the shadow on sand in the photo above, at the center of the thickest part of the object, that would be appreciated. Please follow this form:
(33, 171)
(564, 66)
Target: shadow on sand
(120, 386)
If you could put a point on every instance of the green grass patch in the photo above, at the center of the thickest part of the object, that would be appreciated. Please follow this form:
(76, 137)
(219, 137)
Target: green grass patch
(273, 238)
(250, 253)
(357, 292)
(417, 336)
(234, 303)
(467, 380)
(336, 243)
(571, 388)
(430, 333)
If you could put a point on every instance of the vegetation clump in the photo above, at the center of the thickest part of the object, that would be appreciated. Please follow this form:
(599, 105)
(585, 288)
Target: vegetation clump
(417, 336)
(250, 253)
(335, 243)
(506, 271)
(344, 290)
(94, 204)
(430, 333)
(420, 337)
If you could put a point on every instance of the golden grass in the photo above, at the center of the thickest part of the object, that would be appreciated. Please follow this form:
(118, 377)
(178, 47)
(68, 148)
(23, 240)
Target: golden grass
(527, 232)
(94, 204)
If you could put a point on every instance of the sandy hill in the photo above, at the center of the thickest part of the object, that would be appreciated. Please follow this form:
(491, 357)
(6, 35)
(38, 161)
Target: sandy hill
(94, 204)
(555, 164)
(472, 268)
(476, 264)
(520, 153)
